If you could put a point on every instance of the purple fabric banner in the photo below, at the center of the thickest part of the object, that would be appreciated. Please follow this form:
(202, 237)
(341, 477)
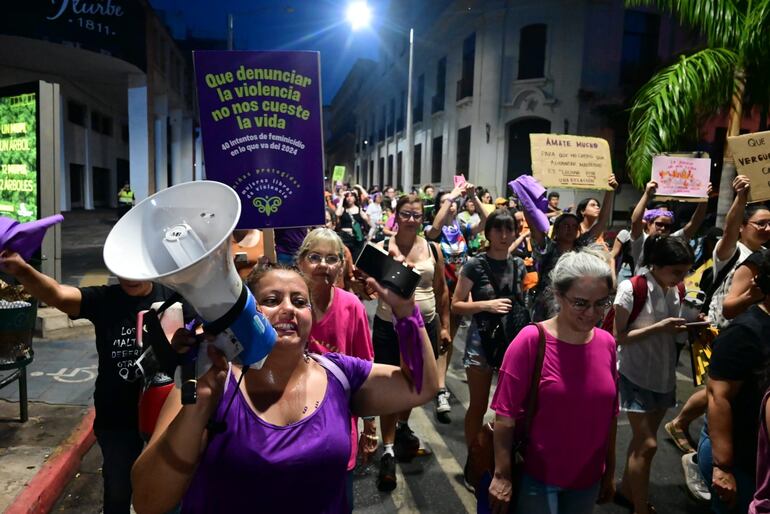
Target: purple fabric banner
(261, 126)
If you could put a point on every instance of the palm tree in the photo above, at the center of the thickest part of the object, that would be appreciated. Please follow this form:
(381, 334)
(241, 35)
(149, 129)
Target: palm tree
(731, 71)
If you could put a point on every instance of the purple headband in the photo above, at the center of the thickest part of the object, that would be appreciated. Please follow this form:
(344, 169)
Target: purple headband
(651, 214)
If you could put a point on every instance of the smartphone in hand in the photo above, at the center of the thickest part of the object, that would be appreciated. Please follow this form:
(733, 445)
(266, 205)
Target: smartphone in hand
(390, 273)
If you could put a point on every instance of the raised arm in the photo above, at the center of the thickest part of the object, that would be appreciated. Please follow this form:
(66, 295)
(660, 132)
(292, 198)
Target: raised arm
(604, 214)
(65, 298)
(390, 389)
(434, 230)
(697, 218)
(637, 217)
(726, 246)
(470, 190)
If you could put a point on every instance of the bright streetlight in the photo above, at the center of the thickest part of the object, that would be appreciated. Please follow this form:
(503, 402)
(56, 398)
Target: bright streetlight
(359, 15)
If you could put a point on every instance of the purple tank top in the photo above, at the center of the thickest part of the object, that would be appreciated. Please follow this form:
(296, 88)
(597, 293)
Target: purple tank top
(761, 502)
(258, 467)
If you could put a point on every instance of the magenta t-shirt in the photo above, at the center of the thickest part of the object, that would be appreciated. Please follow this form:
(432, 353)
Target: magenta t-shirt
(344, 329)
(577, 403)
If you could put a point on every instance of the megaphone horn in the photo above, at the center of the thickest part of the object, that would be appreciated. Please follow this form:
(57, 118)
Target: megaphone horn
(180, 237)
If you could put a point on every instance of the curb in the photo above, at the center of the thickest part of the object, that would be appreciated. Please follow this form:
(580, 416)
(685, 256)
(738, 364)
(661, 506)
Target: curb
(40, 494)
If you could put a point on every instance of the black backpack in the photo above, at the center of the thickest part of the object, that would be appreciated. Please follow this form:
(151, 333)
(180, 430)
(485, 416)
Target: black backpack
(709, 284)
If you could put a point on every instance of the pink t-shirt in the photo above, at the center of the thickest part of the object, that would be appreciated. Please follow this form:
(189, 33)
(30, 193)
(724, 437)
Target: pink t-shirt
(577, 403)
(344, 329)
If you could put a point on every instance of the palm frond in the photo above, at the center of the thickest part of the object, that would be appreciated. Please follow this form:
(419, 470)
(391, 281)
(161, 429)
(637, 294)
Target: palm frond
(665, 108)
(721, 21)
(756, 41)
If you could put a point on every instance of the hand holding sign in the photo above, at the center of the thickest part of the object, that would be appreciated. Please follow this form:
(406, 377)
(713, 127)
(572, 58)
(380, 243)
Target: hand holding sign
(752, 159)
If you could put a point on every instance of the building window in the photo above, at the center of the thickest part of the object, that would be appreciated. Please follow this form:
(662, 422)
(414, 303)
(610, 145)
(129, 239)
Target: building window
(418, 105)
(390, 170)
(382, 173)
(437, 102)
(401, 111)
(532, 52)
(371, 172)
(640, 46)
(124, 132)
(435, 169)
(76, 113)
(100, 123)
(417, 164)
(399, 170)
(463, 150)
(465, 84)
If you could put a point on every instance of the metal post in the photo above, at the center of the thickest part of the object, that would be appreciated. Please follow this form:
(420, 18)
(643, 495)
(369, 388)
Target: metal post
(408, 171)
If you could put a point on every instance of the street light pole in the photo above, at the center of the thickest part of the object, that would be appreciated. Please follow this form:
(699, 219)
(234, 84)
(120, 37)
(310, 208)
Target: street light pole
(408, 171)
(230, 31)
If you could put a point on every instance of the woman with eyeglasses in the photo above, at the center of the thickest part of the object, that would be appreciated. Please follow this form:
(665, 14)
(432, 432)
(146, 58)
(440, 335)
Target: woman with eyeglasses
(280, 441)
(647, 357)
(353, 223)
(432, 298)
(340, 322)
(568, 466)
(565, 237)
(659, 221)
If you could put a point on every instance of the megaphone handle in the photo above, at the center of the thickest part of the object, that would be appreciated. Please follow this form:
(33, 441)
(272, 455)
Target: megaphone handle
(189, 381)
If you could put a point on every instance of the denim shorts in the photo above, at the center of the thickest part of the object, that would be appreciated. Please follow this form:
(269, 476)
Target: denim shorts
(474, 352)
(536, 497)
(634, 398)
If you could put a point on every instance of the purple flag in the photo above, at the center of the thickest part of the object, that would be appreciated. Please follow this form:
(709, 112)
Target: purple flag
(261, 127)
(25, 238)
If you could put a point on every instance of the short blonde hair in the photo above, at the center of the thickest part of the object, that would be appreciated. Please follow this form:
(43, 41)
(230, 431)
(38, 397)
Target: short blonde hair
(319, 236)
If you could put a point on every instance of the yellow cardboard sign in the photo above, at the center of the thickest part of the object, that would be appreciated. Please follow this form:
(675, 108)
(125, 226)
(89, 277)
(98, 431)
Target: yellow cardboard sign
(752, 158)
(339, 174)
(571, 162)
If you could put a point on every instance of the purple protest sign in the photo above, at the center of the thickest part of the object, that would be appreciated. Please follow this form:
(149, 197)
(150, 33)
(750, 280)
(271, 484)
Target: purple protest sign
(261, 127)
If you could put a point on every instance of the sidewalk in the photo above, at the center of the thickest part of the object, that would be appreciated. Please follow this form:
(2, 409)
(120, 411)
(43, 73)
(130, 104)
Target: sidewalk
(38, 458)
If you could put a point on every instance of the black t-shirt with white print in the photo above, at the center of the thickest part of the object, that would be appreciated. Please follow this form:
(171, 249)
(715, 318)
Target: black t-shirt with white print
(119, 383)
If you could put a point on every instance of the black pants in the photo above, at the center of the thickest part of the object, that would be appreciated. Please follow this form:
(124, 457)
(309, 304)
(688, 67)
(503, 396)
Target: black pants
(120, 448)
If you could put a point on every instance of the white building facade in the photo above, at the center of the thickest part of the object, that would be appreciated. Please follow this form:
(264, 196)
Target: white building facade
(489, 73)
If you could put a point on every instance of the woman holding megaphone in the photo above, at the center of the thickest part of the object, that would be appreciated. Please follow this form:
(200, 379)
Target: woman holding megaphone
(280, 439)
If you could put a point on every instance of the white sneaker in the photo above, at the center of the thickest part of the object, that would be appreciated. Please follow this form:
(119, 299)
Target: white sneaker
(696, 485)
(442, 402)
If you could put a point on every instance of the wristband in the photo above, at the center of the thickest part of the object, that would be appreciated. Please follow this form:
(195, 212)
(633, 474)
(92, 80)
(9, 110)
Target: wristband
(410, 344)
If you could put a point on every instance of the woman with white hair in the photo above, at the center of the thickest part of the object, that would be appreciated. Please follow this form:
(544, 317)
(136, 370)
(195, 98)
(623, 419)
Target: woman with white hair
(567, 465)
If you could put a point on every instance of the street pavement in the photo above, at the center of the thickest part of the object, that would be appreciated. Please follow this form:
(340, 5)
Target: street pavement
(63, 373)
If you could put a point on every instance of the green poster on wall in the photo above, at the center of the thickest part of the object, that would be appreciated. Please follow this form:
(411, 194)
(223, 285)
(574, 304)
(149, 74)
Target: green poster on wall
(18, 157)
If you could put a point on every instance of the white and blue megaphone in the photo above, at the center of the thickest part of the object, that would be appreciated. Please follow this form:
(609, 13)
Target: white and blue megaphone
(180, 237)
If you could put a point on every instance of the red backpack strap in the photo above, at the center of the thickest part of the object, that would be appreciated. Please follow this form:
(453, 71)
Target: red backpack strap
(682, 292)
(639, 287)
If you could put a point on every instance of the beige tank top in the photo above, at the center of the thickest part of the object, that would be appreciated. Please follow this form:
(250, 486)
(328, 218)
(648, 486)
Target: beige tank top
(423, 294)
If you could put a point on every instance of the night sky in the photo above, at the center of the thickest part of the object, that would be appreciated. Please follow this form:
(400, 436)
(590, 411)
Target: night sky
(282, 25)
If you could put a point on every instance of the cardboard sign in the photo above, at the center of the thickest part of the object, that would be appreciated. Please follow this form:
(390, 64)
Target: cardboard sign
(752, 158)
(571, 162)
(681, 178)
(339, 174)
(261, 127)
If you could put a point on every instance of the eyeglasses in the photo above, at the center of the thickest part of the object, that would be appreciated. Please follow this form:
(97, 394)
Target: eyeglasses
(405, 215)
(664, 226)
(761, 225)
(582, 305)
(317, 258)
